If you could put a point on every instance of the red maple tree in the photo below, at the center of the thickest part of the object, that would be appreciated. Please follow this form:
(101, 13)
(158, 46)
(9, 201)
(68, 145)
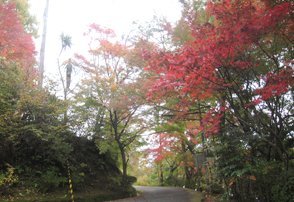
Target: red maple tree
(225, 51)
(15, 44)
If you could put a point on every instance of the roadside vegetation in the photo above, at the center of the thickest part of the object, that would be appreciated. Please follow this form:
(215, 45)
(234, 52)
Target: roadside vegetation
(205, 103)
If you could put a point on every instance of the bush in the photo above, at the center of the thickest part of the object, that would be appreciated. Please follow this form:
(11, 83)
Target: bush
(283, 191)
(50, 180)
(131, 180)
(215, 188)
(7, 179)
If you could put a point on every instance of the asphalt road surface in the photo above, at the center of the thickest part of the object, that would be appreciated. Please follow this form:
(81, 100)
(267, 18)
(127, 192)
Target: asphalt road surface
(164, 194)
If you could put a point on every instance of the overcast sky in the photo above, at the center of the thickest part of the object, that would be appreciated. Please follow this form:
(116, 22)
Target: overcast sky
(73, 16)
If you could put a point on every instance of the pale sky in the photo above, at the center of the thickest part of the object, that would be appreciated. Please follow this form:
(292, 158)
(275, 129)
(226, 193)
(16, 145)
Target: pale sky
(73, 16)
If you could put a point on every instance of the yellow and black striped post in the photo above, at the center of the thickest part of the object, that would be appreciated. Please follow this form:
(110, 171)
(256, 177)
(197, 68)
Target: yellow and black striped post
(70, 183)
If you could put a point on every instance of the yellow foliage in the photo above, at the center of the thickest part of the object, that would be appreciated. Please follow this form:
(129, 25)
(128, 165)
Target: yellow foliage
(9, 178)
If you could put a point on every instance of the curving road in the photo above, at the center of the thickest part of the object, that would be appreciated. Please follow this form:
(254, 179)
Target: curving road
(164, 194)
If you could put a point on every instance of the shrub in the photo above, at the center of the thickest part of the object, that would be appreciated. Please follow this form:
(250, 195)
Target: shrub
(283, 191)
(50, 180)
(7, 179)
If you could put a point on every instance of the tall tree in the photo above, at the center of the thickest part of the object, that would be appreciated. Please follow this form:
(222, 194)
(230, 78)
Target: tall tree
(65, 72)
(43, 45)
(113, 91)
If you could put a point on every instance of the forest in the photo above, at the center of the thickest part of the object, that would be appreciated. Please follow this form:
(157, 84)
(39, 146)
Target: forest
(205, 103)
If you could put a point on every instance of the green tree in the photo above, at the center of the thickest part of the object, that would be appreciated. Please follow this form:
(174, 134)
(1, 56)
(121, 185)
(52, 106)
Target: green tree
(113, 94)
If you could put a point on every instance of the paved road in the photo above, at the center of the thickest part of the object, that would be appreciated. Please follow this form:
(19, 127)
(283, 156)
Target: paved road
(164, 194)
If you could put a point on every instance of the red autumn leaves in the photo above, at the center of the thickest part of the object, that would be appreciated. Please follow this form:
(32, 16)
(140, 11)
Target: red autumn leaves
(15, 44)
(200, 70)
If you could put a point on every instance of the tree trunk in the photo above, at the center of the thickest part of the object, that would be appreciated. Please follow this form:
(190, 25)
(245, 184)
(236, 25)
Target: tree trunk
(161, 181)
(43, 44)
(124, 162)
